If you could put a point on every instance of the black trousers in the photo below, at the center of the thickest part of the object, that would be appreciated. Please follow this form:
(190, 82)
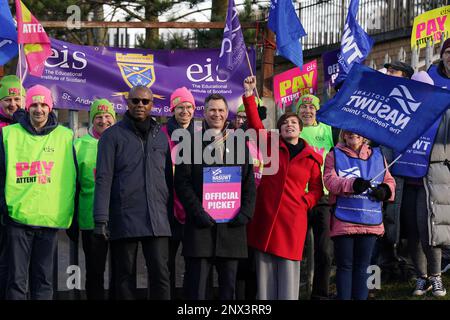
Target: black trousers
(96, 252)
(156, 253)
(30, 254)
(323, 249)
(3, 262)
(174, 243)
(197, 274)
(246, 277)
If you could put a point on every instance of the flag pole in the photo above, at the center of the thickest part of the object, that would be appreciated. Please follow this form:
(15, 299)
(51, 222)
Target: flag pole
(385, 169)
(20, 66)
(251, 72)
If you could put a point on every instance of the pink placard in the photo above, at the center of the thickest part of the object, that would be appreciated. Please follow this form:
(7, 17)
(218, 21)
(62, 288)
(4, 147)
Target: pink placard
(292, 84)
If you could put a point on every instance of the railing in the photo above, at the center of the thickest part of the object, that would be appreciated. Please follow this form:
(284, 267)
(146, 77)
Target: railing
(323, 19)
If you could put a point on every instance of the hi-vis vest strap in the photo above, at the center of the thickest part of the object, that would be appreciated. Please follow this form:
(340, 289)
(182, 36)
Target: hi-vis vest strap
(40, 177)
(86, 150)
(358, 208)
(320, 137)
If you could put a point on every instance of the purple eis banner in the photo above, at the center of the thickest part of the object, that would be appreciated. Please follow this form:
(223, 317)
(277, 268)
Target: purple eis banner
(77, 75)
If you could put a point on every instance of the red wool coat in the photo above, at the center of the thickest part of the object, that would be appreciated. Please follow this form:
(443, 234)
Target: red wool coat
(280, 222)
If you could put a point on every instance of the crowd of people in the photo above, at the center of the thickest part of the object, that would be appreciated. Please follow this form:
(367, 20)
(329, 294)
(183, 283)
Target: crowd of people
(123, 184)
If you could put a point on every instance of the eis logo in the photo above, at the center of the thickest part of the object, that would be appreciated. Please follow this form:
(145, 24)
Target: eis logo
(34, 172)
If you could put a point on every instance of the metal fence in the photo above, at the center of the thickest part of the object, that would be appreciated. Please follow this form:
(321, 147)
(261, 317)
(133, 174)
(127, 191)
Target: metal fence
(323, 20)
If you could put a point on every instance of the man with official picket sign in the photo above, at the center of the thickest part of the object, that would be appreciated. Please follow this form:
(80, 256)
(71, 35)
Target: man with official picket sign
(219, 199)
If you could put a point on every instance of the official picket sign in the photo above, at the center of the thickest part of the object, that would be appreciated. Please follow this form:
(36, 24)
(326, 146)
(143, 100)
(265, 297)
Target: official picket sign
(222, 192)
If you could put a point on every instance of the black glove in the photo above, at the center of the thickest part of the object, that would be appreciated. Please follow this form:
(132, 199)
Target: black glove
(204, 220)
(238, 220)
(360, 185)
(381, 192)
(262, 112)
(101, 230)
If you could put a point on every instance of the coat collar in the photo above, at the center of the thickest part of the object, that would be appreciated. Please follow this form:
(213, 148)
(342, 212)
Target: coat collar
(307, 151)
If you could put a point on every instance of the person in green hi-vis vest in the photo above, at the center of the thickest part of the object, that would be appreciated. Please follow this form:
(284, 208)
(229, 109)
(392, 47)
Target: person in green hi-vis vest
(320, 137)
(101, 116)
(12, 98)
(37, 193)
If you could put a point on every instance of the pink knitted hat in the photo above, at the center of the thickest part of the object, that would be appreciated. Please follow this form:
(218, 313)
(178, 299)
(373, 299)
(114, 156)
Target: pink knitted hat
(37, 94)
(181, 95)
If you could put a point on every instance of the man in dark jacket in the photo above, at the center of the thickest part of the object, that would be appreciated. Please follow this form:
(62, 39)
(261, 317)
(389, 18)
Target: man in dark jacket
(133, 196)
(214, 241)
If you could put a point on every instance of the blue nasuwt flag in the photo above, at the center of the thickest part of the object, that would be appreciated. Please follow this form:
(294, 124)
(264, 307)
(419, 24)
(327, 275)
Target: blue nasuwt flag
(355, 43)
(232, 52)
(284, 22)
(392, 111)
(8, 34)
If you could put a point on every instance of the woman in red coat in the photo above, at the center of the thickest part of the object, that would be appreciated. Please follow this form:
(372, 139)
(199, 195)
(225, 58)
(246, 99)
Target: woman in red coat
(278, 228)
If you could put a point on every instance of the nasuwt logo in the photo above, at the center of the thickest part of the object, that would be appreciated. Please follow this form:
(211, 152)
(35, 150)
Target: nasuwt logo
(404, 98)
(217, 176)
(352, 172)
(393, 111)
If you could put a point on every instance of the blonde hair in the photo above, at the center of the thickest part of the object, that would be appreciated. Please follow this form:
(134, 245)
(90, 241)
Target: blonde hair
(341, 137)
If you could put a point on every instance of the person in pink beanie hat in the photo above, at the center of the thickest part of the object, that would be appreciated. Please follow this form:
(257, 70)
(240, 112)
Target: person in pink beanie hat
(38, 94)
(182, 105)
(38, 177)
(179, 96)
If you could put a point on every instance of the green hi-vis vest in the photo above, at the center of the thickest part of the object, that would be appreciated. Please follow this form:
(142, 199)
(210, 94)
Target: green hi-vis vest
(86, 149)
(40, 177)
(320, 137)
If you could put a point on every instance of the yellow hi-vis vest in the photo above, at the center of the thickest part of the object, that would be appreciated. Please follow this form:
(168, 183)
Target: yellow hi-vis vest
(40, 177)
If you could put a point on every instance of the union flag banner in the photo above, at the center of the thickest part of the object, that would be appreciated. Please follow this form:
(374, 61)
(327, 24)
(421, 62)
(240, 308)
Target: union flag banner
(36, 44)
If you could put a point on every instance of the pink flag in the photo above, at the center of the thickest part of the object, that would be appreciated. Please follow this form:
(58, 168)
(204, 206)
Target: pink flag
(32, 35)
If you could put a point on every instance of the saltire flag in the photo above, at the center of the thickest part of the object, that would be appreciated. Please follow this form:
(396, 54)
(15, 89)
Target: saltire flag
(32, 35)
(394, 114)
(284, 22)
(8, 34)
(355, 43)
(233, 50)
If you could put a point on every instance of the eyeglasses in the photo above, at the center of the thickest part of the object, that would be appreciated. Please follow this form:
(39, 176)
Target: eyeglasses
(136, 101)
(241, 118)
(188, 107)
